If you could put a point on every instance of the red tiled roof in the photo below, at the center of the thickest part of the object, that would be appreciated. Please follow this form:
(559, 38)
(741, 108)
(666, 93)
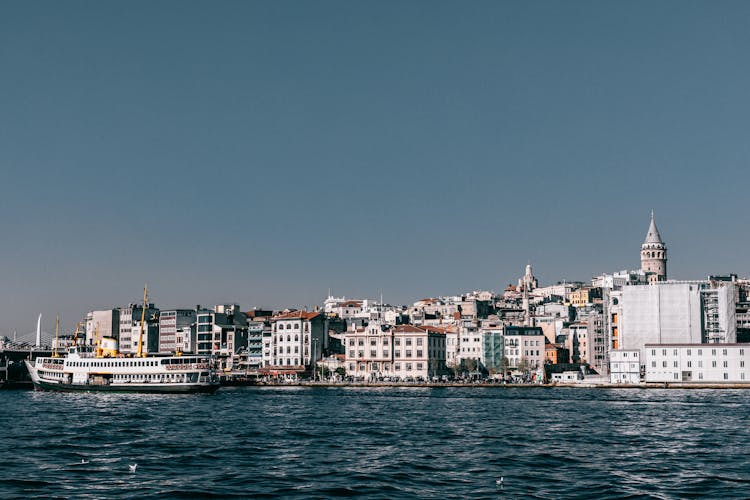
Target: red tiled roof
(296, 315)
(351, 303)
(408, 329)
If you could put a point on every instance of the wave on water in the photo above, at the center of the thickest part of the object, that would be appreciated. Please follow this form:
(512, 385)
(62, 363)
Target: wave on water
(377, 443)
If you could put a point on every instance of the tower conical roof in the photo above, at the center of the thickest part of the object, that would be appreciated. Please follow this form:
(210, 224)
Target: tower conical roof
(653, 235)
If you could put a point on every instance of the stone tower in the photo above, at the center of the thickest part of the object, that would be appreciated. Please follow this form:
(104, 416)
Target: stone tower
(654, 254)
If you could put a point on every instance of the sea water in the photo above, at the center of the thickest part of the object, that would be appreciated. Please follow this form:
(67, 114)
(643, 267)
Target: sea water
(302, 442)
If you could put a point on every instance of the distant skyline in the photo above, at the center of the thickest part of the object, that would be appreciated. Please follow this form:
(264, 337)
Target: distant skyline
(265, 152)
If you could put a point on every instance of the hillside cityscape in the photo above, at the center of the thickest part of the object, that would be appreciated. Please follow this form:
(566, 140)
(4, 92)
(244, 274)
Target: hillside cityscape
(624, 327)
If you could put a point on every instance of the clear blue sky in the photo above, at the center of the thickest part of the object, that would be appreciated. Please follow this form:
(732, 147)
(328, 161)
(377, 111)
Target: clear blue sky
(264, 152)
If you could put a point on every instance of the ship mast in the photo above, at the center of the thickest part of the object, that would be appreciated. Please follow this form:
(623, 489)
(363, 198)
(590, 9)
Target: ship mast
(143, 319)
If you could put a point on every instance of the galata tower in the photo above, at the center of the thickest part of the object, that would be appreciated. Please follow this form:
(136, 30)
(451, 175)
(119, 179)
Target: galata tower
(654, 254)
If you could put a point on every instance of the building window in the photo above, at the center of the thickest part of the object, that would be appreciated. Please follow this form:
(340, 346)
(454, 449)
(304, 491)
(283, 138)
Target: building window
(726, 365)
(419, 341)
(713, 364)
(726, 376)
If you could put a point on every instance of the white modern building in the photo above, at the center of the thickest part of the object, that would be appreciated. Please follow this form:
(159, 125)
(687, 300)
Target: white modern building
(100, 324)
(625, 366)
(298, 339)
(697, 363)
(470, 344)
(660, 313)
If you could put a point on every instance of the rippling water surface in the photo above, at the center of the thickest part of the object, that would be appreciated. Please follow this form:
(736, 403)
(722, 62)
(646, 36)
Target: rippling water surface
(378, 443)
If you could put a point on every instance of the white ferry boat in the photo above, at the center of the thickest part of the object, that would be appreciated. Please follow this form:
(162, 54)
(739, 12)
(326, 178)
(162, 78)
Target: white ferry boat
(103, 368)
(80, 370)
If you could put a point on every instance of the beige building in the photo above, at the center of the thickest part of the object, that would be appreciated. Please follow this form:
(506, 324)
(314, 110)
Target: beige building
(404, 351)
(524, 347)
(585, 296)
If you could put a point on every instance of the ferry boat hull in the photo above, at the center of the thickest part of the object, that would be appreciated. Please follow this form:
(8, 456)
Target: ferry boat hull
(41, 385)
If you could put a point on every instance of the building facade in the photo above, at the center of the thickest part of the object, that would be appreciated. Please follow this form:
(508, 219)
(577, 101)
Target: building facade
(130, 318)
(524, 347)
(100, 324)
(175, 330)
(298, 339)
(402, 351)
(625, 366)
(697, 363)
